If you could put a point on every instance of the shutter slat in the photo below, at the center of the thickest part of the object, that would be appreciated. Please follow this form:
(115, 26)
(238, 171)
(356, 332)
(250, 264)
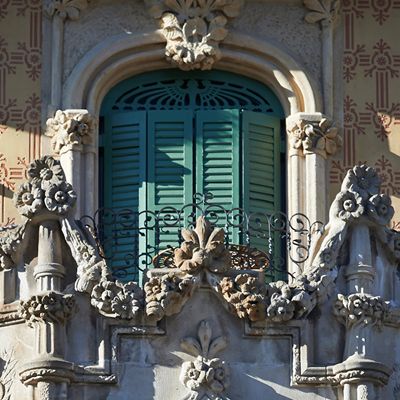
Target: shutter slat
(218, 159)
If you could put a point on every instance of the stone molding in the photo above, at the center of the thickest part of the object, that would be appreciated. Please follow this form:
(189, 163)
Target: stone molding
(66, 9)
(70, 129)
(313, 134)
(193, 29)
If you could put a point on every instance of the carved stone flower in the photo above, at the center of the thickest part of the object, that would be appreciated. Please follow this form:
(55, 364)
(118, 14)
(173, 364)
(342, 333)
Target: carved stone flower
(103, 294)
(297, 134)
(124, 305)
(362, 180)
(255, 307)
(350, 205)
(193, 373)
(46, 172)
(28, 199)
(379, 208)
(60, 198)
(217, 376)
(280, 309)
(206, 374)
(204, 247)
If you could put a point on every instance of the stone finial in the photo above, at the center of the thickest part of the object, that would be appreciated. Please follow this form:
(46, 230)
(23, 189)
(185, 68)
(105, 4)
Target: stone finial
(66, 9)
(69, 129)
(193, 29)
(317, 136)
(46, 189)
(324, 11)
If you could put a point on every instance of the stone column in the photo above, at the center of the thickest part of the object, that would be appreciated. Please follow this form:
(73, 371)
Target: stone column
(49, 271)
(48, 371)
(312, 139)
(72, 133)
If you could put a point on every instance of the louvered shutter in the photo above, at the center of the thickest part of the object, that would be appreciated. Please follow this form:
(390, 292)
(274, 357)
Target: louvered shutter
(218, 159)
(124, 187)
(261, 172)
(169, 166)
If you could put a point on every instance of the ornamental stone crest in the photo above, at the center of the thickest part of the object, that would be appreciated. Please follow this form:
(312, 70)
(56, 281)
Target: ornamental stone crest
(207, 376)
(193, 29)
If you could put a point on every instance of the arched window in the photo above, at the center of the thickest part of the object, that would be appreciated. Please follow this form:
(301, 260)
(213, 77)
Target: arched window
(167, 135)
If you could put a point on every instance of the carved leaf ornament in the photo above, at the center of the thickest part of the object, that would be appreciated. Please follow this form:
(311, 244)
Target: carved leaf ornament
(203, 257)
(193, 29)
(321, 10)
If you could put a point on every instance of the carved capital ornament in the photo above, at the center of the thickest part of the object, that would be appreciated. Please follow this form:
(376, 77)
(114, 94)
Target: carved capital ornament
(193, 29)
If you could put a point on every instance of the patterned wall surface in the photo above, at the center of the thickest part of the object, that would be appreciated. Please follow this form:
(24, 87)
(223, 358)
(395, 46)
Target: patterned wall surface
(20, 65)
(371, 74)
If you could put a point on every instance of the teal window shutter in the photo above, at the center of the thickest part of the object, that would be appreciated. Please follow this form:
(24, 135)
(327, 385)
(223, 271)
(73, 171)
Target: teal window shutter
(218, 158)
(169, 166)
(124, 183)
(261, 174)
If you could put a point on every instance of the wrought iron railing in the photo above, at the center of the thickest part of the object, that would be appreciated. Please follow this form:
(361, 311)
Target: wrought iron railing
(134, 241)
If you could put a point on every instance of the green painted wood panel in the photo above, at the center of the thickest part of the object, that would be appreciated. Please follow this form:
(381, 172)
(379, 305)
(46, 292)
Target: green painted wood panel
(261, 173)
(124, 181)
(169, 166)
(218, 159)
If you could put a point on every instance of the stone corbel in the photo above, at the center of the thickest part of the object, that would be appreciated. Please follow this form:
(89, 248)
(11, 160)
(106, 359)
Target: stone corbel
(325, 12)
(193, 29)
(59, 11)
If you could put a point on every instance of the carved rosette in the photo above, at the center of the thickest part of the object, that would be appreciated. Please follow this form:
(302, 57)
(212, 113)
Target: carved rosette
(66, 9)
(206, 376)
(324, 11)
(117, 299)
(314, 137)
(70, 129)
(46, 190)
(49, 307)
(194, 29)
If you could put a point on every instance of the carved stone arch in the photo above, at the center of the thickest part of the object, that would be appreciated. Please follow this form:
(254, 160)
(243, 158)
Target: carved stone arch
(121, 57)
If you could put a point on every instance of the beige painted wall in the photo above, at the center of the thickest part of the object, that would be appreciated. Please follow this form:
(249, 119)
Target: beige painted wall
(371, 74)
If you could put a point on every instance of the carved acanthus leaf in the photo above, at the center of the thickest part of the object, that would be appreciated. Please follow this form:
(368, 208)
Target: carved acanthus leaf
(69, 129)
(319, 137)
(321, 10)
(193, 29)
(206, 375)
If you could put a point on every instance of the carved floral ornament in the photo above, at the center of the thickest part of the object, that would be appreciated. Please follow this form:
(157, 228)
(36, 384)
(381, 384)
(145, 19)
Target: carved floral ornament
(193, 29)
(324, 11)
(66, 9)
(206, 376)
(69, 129)
(314, 137)
(203, 258)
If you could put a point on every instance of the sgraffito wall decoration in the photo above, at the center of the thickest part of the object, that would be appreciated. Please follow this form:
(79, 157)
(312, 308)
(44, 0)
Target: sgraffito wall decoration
(20, 67)
(371, 75)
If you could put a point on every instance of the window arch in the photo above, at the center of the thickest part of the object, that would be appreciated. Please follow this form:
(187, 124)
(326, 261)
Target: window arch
(169, 134)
